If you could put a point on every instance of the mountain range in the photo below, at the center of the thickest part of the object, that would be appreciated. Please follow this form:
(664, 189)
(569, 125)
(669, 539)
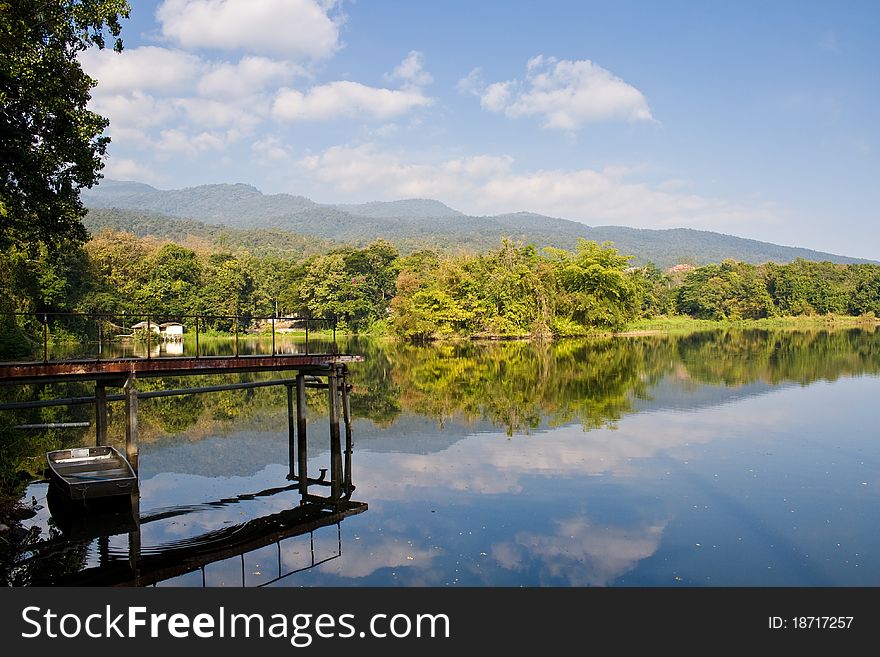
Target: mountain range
(237, 213)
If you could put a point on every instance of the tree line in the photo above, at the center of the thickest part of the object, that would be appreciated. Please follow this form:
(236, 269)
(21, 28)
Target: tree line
(513, 290)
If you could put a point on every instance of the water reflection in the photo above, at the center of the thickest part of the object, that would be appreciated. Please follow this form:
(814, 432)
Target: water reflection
(520, 386)
(211, 345)
(114, 543)
(726, 458)
(516, 386)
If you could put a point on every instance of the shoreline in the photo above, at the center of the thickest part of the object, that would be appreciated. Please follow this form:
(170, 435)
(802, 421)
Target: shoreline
(672, 326)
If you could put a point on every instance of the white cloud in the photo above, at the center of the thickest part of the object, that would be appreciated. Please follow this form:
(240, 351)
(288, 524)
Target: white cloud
(217, 114)
(565, 94)
(147, 68)
(174, 142)
(294, 29)
(167, 101)
(270, 149)
(354, 169)
(581, 553)
(345, 99)
(496, 96)
(128, 169)
(478, 165)
(489, 184)
(250, 75)
(362, 559)
(132, 111)
(472, 83)
(411, 71)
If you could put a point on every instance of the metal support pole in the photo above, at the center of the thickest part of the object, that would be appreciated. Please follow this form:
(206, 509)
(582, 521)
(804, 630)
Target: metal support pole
(131, 420)
(134, 537)
(236, 336)
(291, 434)
(302, 454)
(307, 337)
(100, 341)
(149, 337)
(346, 418)
(273, 336)
(103, 551)
(335, 444)
(197, 336)
(100, 413)
(45, 339)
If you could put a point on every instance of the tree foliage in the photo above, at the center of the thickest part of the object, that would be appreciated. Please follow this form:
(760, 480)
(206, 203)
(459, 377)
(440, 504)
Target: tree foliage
(354, 286)
(731, 290)
(510, 291)
(50, 145)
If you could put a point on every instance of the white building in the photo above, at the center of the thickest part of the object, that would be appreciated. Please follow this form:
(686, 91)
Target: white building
(171, 331)
(142, 326)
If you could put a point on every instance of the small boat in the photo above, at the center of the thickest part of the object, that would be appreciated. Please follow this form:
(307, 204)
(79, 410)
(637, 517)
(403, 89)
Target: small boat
(87, 473)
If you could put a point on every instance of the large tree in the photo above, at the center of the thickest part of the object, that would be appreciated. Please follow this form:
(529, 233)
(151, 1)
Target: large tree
(51, 146)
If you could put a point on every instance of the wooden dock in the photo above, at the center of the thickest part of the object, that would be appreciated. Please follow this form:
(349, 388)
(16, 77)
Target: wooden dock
(121, 368)
(124, 373)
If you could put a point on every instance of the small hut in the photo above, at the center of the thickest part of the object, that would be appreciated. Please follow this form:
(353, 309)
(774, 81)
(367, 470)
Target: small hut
(171, 331)
(142, 326)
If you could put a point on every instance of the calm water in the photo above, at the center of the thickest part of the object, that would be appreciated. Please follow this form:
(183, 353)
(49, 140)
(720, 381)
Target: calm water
(722, 459)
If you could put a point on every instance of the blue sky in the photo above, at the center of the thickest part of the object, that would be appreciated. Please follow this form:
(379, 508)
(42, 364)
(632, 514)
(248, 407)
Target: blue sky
(755, 119)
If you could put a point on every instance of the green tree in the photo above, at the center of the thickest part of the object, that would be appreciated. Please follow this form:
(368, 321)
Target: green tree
(596, 290)
(268, 277)
(655, 290)
(227, 290)
(866, 295)
(119, 268)
(731, 290)
(174, 285)
(50, 145)
(353, 285)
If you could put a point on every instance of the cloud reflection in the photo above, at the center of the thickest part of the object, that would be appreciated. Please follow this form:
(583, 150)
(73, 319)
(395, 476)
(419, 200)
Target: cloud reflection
(579, 553)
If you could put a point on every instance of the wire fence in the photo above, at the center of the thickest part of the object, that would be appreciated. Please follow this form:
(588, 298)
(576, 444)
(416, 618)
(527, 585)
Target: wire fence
(60, 336)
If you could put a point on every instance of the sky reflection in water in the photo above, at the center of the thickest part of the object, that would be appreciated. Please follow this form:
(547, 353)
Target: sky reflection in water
(771, 479)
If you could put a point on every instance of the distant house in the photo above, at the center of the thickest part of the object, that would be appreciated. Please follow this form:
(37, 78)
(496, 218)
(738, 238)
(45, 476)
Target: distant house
(171, 331)
(142, 326)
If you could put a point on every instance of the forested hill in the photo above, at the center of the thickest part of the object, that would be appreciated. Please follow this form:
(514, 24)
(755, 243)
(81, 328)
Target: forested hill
(282, 220)
(413, 207)
(269, 242)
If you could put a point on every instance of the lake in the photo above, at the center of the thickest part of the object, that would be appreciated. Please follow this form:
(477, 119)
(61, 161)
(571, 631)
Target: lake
(729, 458)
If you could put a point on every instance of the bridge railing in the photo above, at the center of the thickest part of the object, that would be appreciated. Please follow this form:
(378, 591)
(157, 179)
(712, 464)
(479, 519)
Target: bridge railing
(59, 336)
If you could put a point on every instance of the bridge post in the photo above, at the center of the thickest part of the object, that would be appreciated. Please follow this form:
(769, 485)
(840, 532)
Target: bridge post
(131, 421)
(346, 418)
(301, 439)
(100, 413)
(134, 536)
(335, 444)
(291, 434)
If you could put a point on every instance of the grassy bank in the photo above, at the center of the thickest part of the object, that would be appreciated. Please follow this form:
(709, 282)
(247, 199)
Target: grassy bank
(684, 324)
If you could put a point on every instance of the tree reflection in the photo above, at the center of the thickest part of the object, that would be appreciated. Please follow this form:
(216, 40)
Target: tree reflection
(515, 385)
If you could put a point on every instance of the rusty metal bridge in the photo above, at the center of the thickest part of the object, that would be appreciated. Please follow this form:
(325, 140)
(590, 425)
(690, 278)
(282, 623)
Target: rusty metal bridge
(326, 369)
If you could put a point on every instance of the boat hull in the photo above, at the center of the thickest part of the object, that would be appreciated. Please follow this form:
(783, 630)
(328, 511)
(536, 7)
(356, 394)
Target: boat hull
(90, 473)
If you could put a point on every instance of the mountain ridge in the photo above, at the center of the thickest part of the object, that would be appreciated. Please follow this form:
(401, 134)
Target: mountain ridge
(412, 224)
